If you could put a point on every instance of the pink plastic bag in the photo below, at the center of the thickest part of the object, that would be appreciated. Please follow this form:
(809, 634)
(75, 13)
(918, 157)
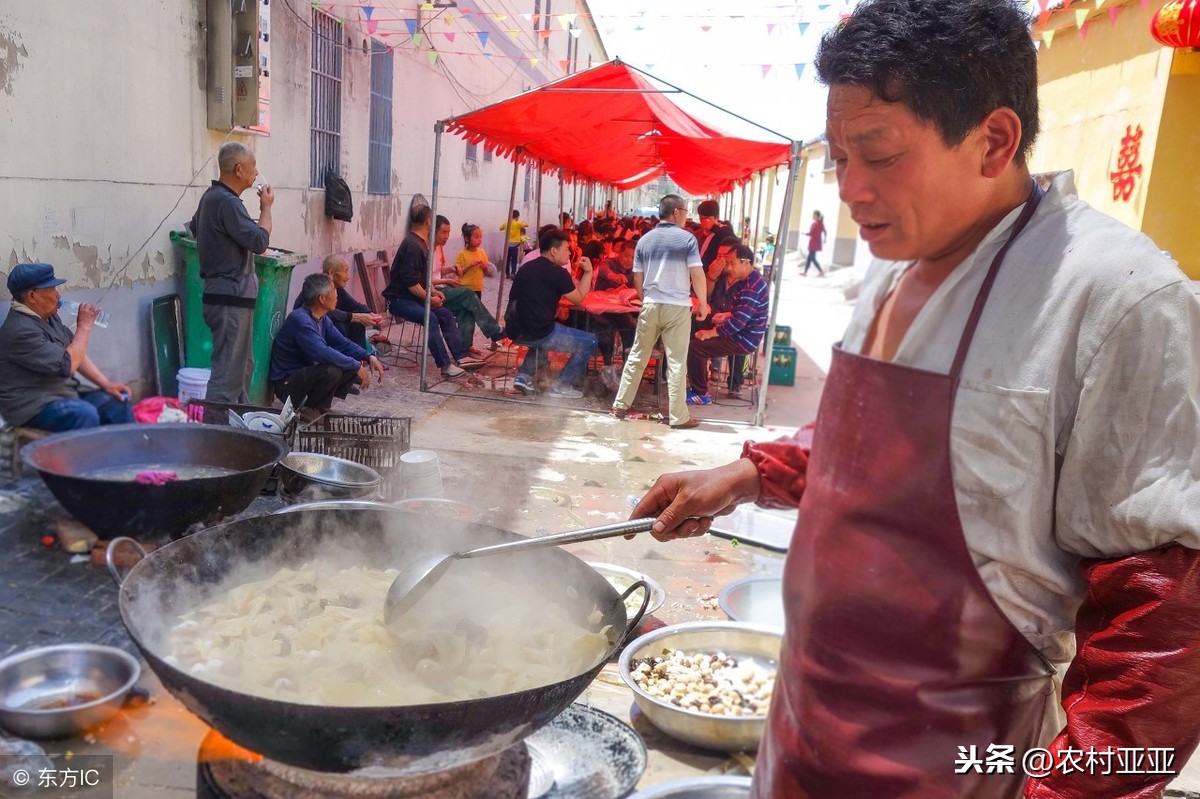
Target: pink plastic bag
(150, 409)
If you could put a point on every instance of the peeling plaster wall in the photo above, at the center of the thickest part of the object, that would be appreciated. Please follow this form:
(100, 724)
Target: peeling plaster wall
(108, 139)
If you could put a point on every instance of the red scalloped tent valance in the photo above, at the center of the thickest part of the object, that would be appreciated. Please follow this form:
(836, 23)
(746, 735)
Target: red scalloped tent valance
(611, 125)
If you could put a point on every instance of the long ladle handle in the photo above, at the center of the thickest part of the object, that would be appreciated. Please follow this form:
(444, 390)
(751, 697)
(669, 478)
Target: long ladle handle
(558, 539)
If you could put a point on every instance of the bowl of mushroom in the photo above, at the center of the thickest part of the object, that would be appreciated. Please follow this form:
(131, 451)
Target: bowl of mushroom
(705, 683)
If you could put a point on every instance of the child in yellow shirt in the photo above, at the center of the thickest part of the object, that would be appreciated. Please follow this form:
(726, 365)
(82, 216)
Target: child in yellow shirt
(472, 262)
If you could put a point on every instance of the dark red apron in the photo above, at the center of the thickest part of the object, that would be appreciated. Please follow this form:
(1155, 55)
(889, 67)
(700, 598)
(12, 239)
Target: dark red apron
(895, 653)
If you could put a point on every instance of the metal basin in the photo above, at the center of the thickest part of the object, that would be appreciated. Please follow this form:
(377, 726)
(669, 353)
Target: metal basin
(699, 788)
(309, 476)
(724, 733)
(621, 578)
(56, 691)
(221, 470)
(756, 600)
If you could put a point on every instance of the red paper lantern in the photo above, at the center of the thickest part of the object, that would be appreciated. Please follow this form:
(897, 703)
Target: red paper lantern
(1177, 24)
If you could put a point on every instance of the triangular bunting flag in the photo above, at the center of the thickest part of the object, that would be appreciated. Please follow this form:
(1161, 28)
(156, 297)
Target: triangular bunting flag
(449, 20)
(766, 68)
(706, 28)
(1043, 4)
(427, 6)
(649, 66)
(501, 17)
(564, 65)
(513, 32)
(545, 33)
(417, 40)
(1083, 29)
(433, 57)
(1112, 14)
(1099, 4)
(609, 31)
(567, 20)
(803, 28)
(575, 32)
(800, 71)
(1145, 3)
(533, 62)
(1081, 16)
(1048, 37)
(770, 28)
(527, 17)
(411, 24)
(483, 38)
(1043, 18)
(449, 36)
(372, 26)
(824, 7)
(368, 11)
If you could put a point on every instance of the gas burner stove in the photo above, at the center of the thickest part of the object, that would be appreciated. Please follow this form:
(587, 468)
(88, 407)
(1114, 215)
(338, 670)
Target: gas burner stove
(226, 771)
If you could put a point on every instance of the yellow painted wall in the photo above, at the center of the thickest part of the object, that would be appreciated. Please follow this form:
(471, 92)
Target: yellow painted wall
(1091, 88)
(1173, 203)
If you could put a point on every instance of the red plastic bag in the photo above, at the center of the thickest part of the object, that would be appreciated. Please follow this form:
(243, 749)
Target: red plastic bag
(150, 410)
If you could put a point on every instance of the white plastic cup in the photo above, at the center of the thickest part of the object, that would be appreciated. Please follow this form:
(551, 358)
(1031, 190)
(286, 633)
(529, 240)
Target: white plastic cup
(422, 474)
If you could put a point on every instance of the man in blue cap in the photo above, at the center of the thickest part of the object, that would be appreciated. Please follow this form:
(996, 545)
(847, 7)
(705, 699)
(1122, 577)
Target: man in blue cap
(40, 356)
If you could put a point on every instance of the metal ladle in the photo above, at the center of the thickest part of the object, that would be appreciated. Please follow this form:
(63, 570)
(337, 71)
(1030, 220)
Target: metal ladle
(415, 580)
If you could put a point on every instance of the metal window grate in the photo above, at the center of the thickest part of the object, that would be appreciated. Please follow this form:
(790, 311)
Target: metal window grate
(326, 97)
(487, 154)
(472, 152)
(379, 152)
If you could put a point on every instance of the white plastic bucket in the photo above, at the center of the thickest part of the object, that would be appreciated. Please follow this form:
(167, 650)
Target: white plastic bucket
(193, 383)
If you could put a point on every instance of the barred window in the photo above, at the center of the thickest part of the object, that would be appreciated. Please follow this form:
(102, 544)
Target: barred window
(379, 149)
(326, 97)
(487, 154)
(472, 152)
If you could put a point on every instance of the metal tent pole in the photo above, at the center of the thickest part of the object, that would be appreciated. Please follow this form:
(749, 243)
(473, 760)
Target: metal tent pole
(439, 127)
(741, 220)
(762, 194)
(561, 209)
(537, 218)
(777, 278)
(512, 201)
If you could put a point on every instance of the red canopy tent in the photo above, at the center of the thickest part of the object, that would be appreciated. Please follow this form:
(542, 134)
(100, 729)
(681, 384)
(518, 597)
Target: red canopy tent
(613, 125)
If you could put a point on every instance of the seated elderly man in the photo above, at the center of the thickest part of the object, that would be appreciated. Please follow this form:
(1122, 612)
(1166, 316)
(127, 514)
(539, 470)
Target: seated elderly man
(40, 356)
(311, 362)
(351, 318)
(735, 332)
(532, 306)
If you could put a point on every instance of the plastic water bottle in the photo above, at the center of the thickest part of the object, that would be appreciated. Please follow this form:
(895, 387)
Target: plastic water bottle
(71, 309)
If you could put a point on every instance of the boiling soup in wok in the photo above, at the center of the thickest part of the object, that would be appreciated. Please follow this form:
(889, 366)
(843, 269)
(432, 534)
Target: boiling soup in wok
(315, 635)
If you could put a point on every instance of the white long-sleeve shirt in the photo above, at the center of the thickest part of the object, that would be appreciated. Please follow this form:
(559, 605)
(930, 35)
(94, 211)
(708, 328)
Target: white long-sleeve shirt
(1086, 364)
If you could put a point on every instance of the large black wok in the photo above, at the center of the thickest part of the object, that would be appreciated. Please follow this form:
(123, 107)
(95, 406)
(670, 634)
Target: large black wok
(409, 739)
(115, 507)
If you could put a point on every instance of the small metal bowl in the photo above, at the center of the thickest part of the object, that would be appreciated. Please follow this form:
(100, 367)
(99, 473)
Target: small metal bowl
(57, 691)
(755, 600)
(724, 733)
(307, 476)
(621, 578)
(698, 788)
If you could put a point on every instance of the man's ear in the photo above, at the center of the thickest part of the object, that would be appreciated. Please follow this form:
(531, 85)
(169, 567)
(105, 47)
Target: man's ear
(1001, 136)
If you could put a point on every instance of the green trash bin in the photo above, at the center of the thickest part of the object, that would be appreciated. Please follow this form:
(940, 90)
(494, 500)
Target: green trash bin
(783, 366)
(783, 336)
(274, 282)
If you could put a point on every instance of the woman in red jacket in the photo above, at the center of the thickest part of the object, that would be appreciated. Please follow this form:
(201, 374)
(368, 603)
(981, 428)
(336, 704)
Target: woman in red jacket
(816, 237)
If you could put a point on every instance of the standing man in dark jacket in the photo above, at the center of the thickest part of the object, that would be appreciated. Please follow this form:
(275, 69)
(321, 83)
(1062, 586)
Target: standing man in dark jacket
(227, 240)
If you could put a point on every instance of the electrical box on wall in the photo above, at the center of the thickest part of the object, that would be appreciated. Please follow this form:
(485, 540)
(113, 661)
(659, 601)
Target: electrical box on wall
(234, 70)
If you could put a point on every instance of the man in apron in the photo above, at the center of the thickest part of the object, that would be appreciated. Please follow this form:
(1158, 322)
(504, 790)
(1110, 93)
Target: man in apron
(1003, 470)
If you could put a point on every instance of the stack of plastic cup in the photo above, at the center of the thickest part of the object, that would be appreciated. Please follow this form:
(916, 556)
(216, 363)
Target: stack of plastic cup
(422, 473)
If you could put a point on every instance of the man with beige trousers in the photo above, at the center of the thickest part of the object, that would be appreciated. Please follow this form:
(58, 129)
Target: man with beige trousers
(666, 265)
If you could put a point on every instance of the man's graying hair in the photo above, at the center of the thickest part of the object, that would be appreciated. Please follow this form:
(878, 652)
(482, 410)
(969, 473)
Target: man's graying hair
(332, 263)
(315, 287)
(950, 62)
(669, 204)
(230, 154)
